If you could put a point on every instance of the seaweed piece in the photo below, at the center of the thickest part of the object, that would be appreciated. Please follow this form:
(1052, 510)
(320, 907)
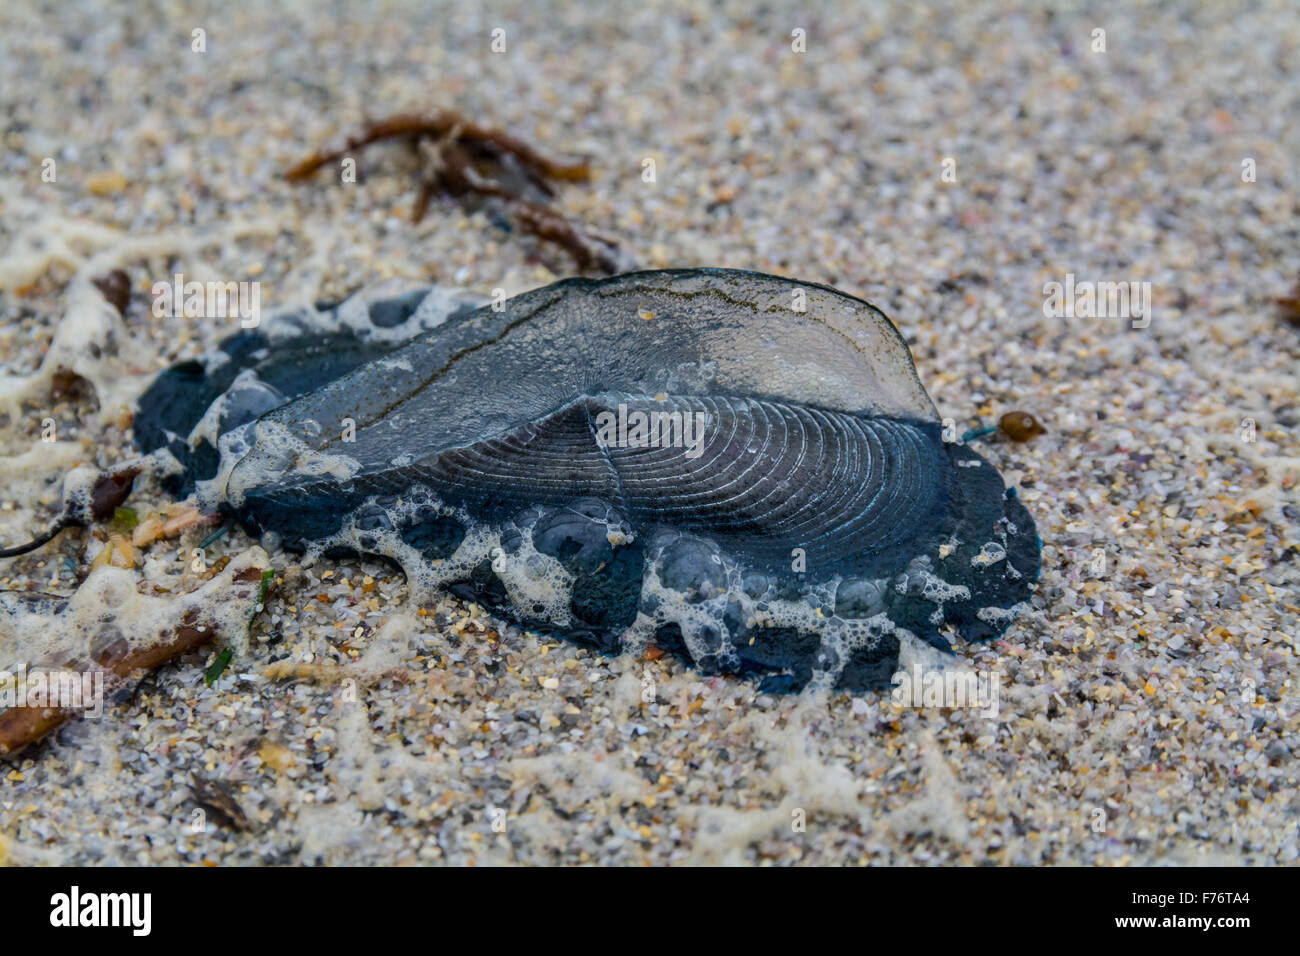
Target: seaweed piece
(549, 225)
(222, 661)
(83, 507)
(120, 651)
(465, 159)
(218, 666)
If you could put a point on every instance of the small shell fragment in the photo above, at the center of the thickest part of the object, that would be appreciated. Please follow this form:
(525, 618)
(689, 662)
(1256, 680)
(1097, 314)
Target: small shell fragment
(1020, 426)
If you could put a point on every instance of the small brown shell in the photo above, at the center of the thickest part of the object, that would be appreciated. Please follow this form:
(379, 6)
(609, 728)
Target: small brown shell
(1020, 426)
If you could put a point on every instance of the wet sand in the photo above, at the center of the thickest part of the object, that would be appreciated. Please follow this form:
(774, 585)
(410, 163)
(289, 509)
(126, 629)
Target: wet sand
(1148, 708)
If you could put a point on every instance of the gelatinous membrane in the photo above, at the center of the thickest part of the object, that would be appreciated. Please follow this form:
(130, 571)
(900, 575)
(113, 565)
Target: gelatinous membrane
(742, 469)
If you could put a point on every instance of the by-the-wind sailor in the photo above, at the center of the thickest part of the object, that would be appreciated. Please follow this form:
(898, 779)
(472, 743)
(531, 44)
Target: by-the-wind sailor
(742, 469)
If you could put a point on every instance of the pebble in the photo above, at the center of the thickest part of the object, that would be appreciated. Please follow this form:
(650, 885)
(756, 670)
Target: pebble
(825, 165)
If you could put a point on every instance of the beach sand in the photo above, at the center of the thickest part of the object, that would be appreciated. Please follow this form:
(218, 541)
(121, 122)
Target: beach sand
(1148, 708)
